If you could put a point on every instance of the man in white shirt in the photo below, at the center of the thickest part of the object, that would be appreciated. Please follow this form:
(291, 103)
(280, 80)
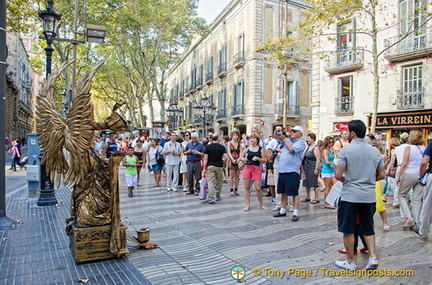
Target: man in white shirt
(172, 152)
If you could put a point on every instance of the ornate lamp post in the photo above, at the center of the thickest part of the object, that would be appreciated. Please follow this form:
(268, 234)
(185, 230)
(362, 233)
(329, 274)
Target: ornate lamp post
(49, 18)
(206, 119)
(173, 117)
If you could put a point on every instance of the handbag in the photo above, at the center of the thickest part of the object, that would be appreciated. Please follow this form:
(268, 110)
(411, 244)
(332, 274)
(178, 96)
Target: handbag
(203, 188)
(159, 158)
(241, 165)
(334, 195)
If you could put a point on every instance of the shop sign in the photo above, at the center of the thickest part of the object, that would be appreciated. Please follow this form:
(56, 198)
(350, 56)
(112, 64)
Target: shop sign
(341, 126)
(404, 120)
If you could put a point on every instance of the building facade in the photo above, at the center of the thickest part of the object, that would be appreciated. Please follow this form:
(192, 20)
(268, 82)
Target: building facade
(343, 83)
(20, 95)
(223, 83)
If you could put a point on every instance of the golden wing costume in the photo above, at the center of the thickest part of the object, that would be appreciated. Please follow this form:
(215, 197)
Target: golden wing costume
(94, 179)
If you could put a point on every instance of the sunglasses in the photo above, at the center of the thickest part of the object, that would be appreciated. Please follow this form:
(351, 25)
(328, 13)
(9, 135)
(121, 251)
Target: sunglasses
(294, 131)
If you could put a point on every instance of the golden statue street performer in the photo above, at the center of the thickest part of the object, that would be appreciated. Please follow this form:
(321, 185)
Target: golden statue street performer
(94, 179)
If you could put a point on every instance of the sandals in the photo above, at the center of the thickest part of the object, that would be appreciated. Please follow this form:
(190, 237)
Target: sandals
(263, 207)
(236, 193)
(306, 200)
(386, 228)
(246, 209)
(232, 192)
(329, 207)
(315, 201)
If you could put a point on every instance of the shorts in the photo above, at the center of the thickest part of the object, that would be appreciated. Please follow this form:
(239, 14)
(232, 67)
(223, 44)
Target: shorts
(131, 180)
(251, 172)
(347, 213)
(327, 175)
(288, 183)
(157, 167)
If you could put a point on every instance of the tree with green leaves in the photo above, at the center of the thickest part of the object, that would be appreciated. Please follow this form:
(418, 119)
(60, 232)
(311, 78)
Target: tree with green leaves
(373, 19)
(144, 40)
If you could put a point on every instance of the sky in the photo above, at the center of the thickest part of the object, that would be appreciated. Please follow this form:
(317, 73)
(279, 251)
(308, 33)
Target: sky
(210, 9)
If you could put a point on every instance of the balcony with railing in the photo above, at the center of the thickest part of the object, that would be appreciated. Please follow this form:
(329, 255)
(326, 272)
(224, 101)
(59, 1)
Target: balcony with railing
(344, 61)
(222, 70)
(291, 111)
(412, 99)
(409, 48)
(209, 78)
(237, 110)
(221, 114)
(344, 106)
(239, 60)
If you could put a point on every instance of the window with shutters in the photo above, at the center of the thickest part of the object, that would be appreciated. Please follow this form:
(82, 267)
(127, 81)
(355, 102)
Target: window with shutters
(412, 93)
(344, 99)
(222, 104)
(238, 106)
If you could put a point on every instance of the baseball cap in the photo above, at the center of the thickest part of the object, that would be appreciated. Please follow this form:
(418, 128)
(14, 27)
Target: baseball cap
(298, 128)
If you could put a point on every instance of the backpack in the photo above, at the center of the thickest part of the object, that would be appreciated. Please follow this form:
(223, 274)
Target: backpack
(159, 157)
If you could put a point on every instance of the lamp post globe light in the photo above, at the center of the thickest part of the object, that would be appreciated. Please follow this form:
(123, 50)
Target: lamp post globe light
(49, 18)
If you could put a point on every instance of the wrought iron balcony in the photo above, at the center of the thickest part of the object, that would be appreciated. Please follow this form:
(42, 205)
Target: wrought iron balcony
(292, 110)
(222, 70)
(237, 110)
(344, 105)
(344, 61)
(239, 60)
(409, 48)
(221, 114)
(412, 99)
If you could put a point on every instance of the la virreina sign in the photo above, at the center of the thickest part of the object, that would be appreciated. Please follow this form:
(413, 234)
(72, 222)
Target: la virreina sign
(404, 119)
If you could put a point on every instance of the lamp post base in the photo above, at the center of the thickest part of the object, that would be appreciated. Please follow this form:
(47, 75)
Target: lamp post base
(47, 198)
(7, 223)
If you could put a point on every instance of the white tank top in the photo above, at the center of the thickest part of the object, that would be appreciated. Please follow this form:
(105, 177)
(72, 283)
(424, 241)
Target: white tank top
(416, 157)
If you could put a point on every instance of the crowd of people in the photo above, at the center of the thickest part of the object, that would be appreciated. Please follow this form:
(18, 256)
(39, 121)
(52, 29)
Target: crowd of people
(280, 162)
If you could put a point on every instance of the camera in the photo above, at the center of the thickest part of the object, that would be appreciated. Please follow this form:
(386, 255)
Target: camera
(279, 133)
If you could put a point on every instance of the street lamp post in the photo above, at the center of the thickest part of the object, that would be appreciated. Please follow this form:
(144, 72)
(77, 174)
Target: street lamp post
(49, 18)
(173, 117)
(205, 118)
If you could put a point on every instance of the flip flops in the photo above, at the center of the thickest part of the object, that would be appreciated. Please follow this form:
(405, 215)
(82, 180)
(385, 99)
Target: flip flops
(306, 200)
(315, 201)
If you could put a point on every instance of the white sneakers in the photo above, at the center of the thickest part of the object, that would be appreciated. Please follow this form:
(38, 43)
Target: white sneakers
(346, 265)
(372, 264)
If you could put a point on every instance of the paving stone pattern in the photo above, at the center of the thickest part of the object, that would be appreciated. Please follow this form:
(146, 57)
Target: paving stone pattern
(200, 243)
(37, 251)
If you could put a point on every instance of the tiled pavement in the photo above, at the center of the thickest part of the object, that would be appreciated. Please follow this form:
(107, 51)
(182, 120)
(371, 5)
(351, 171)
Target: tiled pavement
(200, 243)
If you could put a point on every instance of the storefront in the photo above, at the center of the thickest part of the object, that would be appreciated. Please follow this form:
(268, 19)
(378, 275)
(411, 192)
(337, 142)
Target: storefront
(392, 124)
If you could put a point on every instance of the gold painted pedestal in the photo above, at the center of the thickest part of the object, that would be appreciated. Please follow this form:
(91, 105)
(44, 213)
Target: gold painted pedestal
(93, 243)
